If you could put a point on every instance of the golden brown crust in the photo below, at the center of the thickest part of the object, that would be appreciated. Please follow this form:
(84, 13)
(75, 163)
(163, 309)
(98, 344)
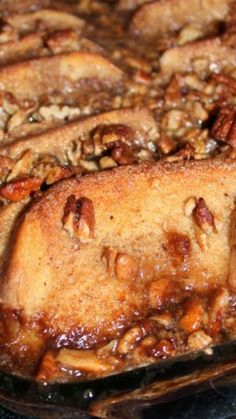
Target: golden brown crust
(170, 15)
(31, 79)
(181, 59)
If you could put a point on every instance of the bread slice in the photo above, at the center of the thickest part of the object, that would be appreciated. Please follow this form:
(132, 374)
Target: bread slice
(32, 79)
(50, 19)
(159, 17)
(59, 140)
(88, 279)
(213, 50)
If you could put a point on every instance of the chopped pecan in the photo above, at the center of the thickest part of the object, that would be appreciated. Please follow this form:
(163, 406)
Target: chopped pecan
(63, 41)
(166, 143)
(163, 349)
(61, 172)
(189, 206)
(173, 94)
(224, 128)
(199, 340)
(218, 308)
(6, 165)
(109, 255)
(22, 166)
(86, 361)
(191, 321)
(20, 188)
(126, 267)
(179, 248)
(185, 153)
(163, 292)
(204, 217)
(79, 219)
(107, 162)
(142, 77)
(119, 132)
(225, 79)
(122, 153)
(48, 367)
(127, 343)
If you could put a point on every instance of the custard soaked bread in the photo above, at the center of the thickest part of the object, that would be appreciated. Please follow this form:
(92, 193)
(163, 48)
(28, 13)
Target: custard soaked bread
(170, 15)
(111, 270)
(110, 250)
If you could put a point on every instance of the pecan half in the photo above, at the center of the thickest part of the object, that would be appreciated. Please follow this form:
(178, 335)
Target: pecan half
(79, 219)
(204, 217)
(224, 128)
(20, 188)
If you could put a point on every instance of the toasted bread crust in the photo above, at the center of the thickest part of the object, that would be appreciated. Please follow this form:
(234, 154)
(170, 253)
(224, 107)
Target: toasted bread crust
(51, 19)
(181, 59)
(170, 15)
(51, 73)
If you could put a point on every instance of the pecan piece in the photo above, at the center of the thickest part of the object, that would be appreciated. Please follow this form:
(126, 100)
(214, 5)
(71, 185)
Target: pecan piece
(224, 128)
(48, 367)
(217, 310)
(119, 132)
(122, 265)
(226, 80)
(192, 318)
(179, 248)
(6, 165)
(109, 255)
(126, 267)
(20, 188)
(61, 172)
(199, 340)
(204, 217)
(79, 219)
(122, 153)
(128, 341)
(173, 94)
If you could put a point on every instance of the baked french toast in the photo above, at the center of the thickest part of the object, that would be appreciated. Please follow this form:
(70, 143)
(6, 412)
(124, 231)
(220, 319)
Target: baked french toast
(106, 268)
(102, 266)
(170, 15)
